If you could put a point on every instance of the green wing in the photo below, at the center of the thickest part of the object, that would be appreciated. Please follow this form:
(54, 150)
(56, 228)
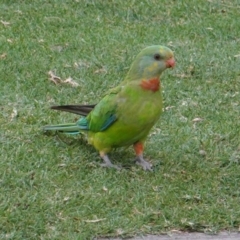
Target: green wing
(103, 115)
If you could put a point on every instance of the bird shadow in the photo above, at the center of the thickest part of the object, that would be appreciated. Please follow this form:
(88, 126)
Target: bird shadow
(122, 157)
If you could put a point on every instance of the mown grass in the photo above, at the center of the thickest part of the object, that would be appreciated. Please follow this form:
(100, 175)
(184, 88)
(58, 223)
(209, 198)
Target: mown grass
(52, 186)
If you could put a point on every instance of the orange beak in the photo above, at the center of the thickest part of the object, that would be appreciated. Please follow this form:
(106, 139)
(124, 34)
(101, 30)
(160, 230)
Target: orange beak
(170, 63)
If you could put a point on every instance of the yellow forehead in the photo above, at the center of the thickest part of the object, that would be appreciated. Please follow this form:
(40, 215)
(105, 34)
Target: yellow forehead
(163, 52)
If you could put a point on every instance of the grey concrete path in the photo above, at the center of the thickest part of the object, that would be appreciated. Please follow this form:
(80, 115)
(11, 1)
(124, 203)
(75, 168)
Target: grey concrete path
(184, 236)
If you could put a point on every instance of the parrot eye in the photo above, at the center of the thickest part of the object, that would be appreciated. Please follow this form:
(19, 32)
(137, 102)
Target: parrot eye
(157, 57)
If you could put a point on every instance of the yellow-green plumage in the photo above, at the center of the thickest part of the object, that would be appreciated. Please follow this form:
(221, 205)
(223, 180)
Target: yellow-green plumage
(126, 114)
(137, 110)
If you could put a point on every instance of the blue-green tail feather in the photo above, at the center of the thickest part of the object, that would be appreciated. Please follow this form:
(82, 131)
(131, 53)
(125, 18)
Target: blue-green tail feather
(69, 128)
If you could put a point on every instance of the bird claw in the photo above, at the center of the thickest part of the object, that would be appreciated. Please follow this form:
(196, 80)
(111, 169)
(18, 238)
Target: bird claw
(145, 165)
(107, 163)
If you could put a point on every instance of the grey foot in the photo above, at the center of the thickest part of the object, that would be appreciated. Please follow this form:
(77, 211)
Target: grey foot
(145, 165)
(107, 163)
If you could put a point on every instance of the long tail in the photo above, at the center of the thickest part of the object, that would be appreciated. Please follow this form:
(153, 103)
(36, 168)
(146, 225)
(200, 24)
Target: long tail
(83, 110)
(69, 128)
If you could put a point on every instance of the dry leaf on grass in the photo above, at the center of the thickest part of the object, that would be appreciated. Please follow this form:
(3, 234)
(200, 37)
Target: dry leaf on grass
(104, 189)
(62, 165)
(119, 231)
(155, 131)
(13, 114)
(202, 153)
(197, 120)
(5, 23)
(54, 78)
(168, 108)
(70, 81)
(66, 199)
(95, 220)
(2, 56)
(57, 80)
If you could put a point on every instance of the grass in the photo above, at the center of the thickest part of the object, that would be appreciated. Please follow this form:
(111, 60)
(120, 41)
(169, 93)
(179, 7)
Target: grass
(51, 186)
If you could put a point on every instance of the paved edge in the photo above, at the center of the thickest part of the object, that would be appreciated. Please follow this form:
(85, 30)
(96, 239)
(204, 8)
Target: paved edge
(183, 236)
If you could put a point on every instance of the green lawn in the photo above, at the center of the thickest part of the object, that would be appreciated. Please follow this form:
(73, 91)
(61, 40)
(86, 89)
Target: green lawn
(51, 186)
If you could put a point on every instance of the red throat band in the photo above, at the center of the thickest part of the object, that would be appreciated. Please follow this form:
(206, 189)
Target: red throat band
(151, 84)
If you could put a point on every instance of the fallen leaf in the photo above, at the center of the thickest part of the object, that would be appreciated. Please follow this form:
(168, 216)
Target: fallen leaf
(169, 107)
(176, 231)
(202, 153)
(105, 189)
(184, 103)
(14, 114)
(236, 56)
(2, 56)
(54, 78)
(197, 120)
(5, 23)
(119, 231)
(62, 165)
(155, 131)
(70, 81)
(66, 199)
(95, 220)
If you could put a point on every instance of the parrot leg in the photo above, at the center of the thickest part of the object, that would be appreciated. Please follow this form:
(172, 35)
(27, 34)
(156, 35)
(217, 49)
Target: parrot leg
(138, 147)
(146, 165)
(107, 162)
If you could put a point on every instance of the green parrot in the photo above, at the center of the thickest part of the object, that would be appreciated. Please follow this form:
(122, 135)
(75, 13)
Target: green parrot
(126, 113)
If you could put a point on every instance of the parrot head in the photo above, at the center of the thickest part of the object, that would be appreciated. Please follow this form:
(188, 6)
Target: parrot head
(151, 62)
